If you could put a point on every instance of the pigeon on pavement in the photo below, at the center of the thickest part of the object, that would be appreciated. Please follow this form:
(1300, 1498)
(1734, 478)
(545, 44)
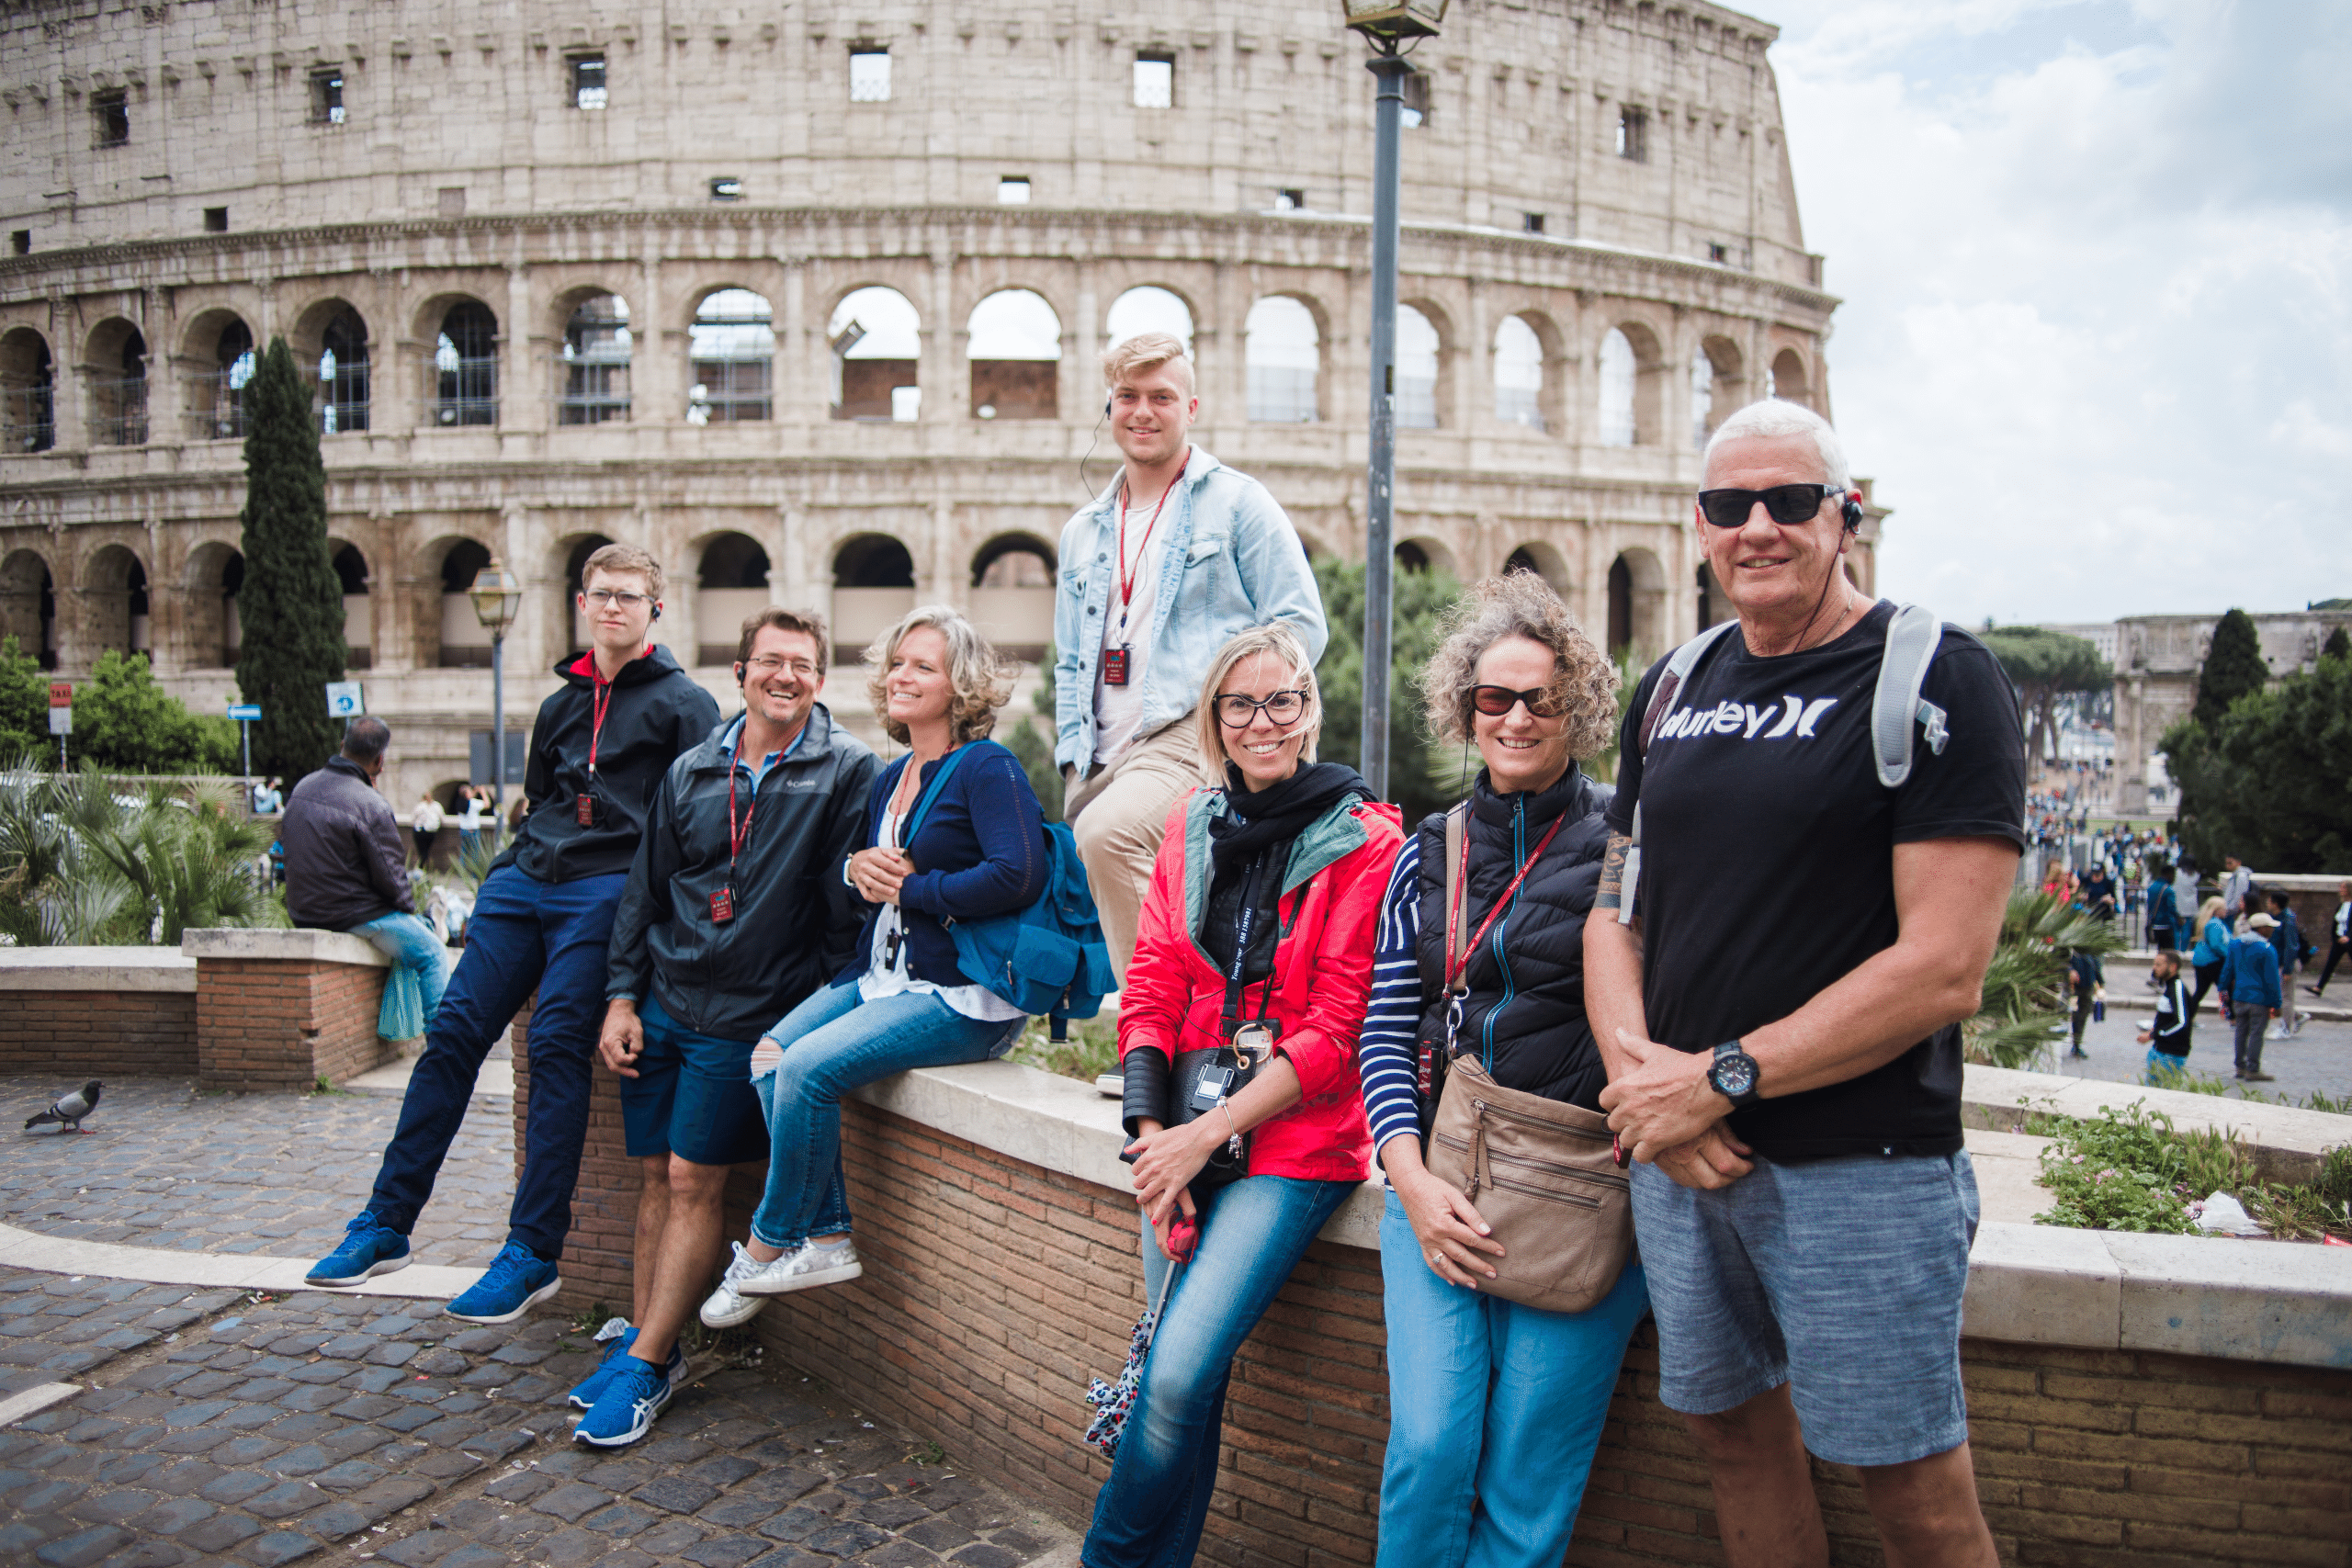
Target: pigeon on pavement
(67, 1110)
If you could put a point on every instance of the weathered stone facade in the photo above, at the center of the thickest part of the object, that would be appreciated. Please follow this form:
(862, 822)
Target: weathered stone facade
(2156, 662)
(424, 191)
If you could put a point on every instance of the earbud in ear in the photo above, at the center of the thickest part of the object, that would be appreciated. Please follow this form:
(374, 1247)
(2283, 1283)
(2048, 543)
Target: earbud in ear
(1851, 511)
(1106, 408)
(657, 609)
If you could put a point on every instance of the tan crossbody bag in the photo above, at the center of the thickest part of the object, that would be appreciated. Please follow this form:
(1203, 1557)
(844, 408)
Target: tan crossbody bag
(1544, 1175)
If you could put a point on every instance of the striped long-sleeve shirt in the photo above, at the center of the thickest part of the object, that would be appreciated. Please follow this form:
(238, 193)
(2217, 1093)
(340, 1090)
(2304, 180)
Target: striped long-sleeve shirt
(1387, 1051)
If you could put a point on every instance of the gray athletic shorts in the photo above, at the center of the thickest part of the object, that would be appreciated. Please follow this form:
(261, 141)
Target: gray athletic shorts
(1841, 1277)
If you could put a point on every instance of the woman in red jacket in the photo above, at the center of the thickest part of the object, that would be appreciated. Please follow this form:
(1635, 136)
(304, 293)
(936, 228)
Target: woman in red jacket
(1257, 930)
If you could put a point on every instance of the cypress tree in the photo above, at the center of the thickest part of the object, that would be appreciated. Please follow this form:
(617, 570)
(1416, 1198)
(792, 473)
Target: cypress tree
(290, 607)
(2338, 645)
(2234, 667)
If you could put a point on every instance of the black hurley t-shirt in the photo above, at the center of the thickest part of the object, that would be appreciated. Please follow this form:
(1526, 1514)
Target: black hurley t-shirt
(1768, 860)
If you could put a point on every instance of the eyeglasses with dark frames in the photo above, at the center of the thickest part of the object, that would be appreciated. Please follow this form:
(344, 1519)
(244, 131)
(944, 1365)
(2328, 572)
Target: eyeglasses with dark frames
(1281, 708)
(1788, 505)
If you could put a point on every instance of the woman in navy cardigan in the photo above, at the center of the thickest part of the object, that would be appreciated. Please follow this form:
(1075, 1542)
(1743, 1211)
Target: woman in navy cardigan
(978, 850)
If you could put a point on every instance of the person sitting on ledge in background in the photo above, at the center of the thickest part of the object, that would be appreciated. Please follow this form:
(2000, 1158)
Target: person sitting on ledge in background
(624, 712)
(952, 832)
(344, 872)
(718, 933)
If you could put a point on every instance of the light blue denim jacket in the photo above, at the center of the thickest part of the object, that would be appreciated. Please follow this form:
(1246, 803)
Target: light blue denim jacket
(1232, 560)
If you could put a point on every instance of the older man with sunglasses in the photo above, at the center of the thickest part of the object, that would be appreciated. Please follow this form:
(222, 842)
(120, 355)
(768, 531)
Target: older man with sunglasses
(1780, 996)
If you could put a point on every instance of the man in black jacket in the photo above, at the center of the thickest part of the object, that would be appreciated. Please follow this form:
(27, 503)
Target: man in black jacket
(736, 910)
(344, 870)
(626, 711)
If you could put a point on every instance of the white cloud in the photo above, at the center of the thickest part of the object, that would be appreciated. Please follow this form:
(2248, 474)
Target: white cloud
(2096, 348)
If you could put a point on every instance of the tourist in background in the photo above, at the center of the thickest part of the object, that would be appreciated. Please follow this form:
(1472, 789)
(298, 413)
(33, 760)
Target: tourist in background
(425, 823)
(2095, 894)
(973, 847)
(1494, 1407)
(2163, 907)
(2249, 986)
(1180, 553)
(1258, 926)
(2086, 982)
(2287, 937)
(2237, 885)
(2167, 1035)
(2212, 949)
(472, 802)
(2339, 940)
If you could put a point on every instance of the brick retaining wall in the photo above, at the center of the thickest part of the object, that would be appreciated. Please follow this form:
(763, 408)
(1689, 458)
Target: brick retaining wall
(994, 1288)
(284, 1025)
(100, 1035)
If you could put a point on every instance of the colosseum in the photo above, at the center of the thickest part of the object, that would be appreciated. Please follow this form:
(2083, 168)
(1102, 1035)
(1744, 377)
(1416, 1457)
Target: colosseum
(807, 299)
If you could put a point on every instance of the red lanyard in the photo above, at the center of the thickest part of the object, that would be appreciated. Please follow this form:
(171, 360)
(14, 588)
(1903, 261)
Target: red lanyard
(600, 698)
(1454, 969)
(735, 836)
(1126, 574)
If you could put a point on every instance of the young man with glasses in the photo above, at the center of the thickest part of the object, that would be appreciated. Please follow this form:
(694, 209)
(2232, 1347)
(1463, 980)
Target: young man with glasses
(1786, 1081)
(1177, 556)
(735, 912)
(625, 712)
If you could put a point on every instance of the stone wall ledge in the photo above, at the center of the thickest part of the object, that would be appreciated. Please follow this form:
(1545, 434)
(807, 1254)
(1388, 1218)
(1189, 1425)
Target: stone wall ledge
(2028, 1285)
(112, 969)
(2286, 1141)
(259, 944)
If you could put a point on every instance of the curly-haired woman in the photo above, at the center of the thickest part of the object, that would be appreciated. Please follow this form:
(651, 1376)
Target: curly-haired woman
(1495, 1407)
(1258, 922)
(978, 850)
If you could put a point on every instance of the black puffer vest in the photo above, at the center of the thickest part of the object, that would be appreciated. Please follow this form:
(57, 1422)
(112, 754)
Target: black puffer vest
(1525, 1009)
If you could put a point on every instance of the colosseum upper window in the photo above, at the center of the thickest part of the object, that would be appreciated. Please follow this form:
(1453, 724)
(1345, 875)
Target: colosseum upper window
(1015, 347)
(731, 356)
(1416, 361)
(1148, 309)
(216, 391)
(109, 117)
(869, 75)
(1518, 374)
(593, 363)
(464, 385)
(27, 392)
(587, 71)
(342, 375)
(118, 385)
(1633, 134)
(1616, 389)
(326, 96)
(1415, 86)
(1154, 80)
(1284, 350)
(1012, 190)
(876, 337)
(1702, 397)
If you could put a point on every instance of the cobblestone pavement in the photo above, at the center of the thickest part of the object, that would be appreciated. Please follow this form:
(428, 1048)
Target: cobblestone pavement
(167, 1166)
(222, 1427)
(2318, 1060)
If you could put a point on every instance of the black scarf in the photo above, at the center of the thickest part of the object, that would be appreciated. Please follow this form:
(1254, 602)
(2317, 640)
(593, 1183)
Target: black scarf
(1247, 847)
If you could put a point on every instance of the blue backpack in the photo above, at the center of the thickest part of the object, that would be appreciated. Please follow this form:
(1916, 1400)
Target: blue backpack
(1049, 960)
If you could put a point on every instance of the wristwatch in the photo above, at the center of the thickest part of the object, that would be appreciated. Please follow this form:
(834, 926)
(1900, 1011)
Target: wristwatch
(1732, 1073)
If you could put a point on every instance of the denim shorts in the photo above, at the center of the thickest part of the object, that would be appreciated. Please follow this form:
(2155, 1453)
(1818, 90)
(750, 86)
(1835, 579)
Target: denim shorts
(1841, 1277)
(691, 1096)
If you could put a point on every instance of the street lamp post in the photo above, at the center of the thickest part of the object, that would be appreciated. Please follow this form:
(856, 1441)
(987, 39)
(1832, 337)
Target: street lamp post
(1385, 23)
(497, 594)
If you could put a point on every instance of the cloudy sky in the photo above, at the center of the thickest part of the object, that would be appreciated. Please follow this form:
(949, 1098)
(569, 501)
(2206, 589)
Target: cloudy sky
(2096, 260)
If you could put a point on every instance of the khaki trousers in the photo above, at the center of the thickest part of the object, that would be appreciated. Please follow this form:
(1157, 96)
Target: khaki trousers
(1119, 815)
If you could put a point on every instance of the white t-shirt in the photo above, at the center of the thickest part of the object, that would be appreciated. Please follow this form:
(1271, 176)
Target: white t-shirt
(472, 821)
(889, 977)
(1118, 710)
(427, 817)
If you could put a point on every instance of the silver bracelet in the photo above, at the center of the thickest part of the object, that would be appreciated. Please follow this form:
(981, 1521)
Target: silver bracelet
(1233, 1144)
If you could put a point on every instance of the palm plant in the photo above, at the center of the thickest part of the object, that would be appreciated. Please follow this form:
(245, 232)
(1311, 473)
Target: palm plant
(2025, 986)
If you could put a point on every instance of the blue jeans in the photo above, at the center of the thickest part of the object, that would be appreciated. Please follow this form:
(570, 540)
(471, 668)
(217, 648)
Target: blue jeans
(833, 1042)
(526, 935)
(1494, 1412)
(412, 945)
(1149, 1514)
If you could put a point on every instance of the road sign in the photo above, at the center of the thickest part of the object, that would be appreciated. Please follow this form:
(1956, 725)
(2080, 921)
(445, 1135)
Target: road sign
(246, 712)
(61, 693)
(60, 721)
(344, 700)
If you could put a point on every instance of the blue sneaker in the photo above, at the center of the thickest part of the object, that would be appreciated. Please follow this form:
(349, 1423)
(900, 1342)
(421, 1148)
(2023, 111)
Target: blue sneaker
(370, 1248)
(635, 1396)
(516, 1281)
(623, 1335)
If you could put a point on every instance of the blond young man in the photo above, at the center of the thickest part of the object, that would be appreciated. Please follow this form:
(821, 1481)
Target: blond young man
(600, 745)
(1166, 565)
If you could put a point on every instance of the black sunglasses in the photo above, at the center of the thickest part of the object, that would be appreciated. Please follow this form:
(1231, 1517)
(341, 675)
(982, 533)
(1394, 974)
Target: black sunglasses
(1785, 505)
(1496, 701)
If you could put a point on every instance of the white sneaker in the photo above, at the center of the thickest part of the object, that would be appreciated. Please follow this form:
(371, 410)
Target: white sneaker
(798, 1270)
(728, 1306)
